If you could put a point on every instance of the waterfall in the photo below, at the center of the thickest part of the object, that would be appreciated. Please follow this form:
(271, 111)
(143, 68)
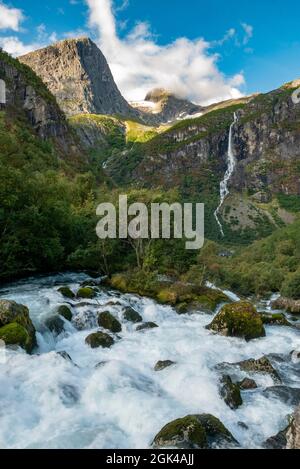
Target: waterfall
(224, 191)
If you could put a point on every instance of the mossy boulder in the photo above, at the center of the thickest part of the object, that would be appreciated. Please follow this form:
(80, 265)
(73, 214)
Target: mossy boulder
(66, 292)
(194, 432)
(14, 313)
(287, 304)
(109, 322)
(230, 392)
(275, 320)
(86, 293)
(55, 324)
(65, 312)
(147, 326)
(99, 339)
(238, 320)
(132, 316)
(15, 334)
(162, 365)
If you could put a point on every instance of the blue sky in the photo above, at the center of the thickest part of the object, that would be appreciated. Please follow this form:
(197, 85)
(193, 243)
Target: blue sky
(247, 46)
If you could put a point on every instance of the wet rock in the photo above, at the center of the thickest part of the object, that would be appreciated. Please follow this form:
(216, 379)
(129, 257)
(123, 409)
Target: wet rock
(247, 384)
(243, 426)
(109, 322)
(262, 365)
(278, 441)
(16, 327)
(55, 324)
(275, 320)
(86, 292)
(90, 283)
(113, 303)
(101, 364)
(66, 292)
(287, 395)
(65, 356)
(147, 326)
(99, 339)
(132, 316)
(65, 312)
(238, 320)
(289, 305)
(230, 392)
(293, 432)
(162, 365)
(194, 432)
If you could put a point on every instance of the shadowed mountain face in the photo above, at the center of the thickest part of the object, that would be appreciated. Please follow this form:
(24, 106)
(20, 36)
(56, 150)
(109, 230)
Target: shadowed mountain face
(77, 74)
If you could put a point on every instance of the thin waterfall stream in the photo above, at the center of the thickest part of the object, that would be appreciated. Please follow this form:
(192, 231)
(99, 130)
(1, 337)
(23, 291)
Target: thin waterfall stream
(224, 191)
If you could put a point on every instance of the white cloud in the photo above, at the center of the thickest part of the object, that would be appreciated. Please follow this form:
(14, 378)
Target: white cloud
(139, 63)
(10, 18)
(15, 47)
(248, 33)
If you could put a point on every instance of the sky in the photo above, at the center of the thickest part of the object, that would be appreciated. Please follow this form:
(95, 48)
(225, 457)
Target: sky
(202, 50)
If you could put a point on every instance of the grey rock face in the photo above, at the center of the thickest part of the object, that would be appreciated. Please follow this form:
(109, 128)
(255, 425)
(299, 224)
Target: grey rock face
(78, 75)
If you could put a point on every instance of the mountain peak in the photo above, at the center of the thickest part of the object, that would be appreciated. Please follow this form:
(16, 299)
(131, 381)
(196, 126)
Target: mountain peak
(77, 73)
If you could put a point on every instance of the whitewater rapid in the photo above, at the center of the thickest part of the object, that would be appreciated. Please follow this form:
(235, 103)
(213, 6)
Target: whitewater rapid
(231, 161)
(113, 398)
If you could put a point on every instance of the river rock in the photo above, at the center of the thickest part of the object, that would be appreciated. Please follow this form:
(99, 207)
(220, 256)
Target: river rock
(99, 339)
(16, 327)
(238, 320)
(132, 316)
(86, 293)
(147, 326)
(230, 392)
(162, 365)
(109, 322)
(247, 384)
(66, 292)
(194, 432)
(275, 320)
(55, 324)
(288, 304)
(293, 432)
(65, 312)
(262, 365)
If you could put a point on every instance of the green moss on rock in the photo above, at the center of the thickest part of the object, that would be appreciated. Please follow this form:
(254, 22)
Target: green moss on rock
(66, 292)
(86, 292)
(231, 393)
(14, 313)
(65, 312)
(109, 322)
(15, 334)
(238, 320)
(275, 319)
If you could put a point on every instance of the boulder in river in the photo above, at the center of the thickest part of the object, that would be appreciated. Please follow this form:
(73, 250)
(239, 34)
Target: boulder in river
(162, 365)
(65, 312)
(277, 319)
(99, 339)
(288, 304)
(55, 324)
(231, 393)
(66, 292)
(109, 322)
(247, 384)
(86, 293)
(132, 316)
(147, 326)
(289, 438)
(262, 365)
(194, 432)
(238, 320)
(16, 327)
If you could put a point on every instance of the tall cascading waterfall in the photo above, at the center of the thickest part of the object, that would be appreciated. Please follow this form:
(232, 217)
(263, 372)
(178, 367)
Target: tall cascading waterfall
(224, 191)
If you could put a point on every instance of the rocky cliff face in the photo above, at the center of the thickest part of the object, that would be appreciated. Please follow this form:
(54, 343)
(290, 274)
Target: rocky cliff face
(25, 91)
(77, 74)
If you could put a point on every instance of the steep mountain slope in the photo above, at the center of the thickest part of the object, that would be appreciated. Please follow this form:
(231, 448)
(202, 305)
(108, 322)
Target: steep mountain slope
(192, 155)
(77, 73)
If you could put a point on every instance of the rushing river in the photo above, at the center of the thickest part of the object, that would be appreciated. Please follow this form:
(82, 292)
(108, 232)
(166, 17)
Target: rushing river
(47, 401)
